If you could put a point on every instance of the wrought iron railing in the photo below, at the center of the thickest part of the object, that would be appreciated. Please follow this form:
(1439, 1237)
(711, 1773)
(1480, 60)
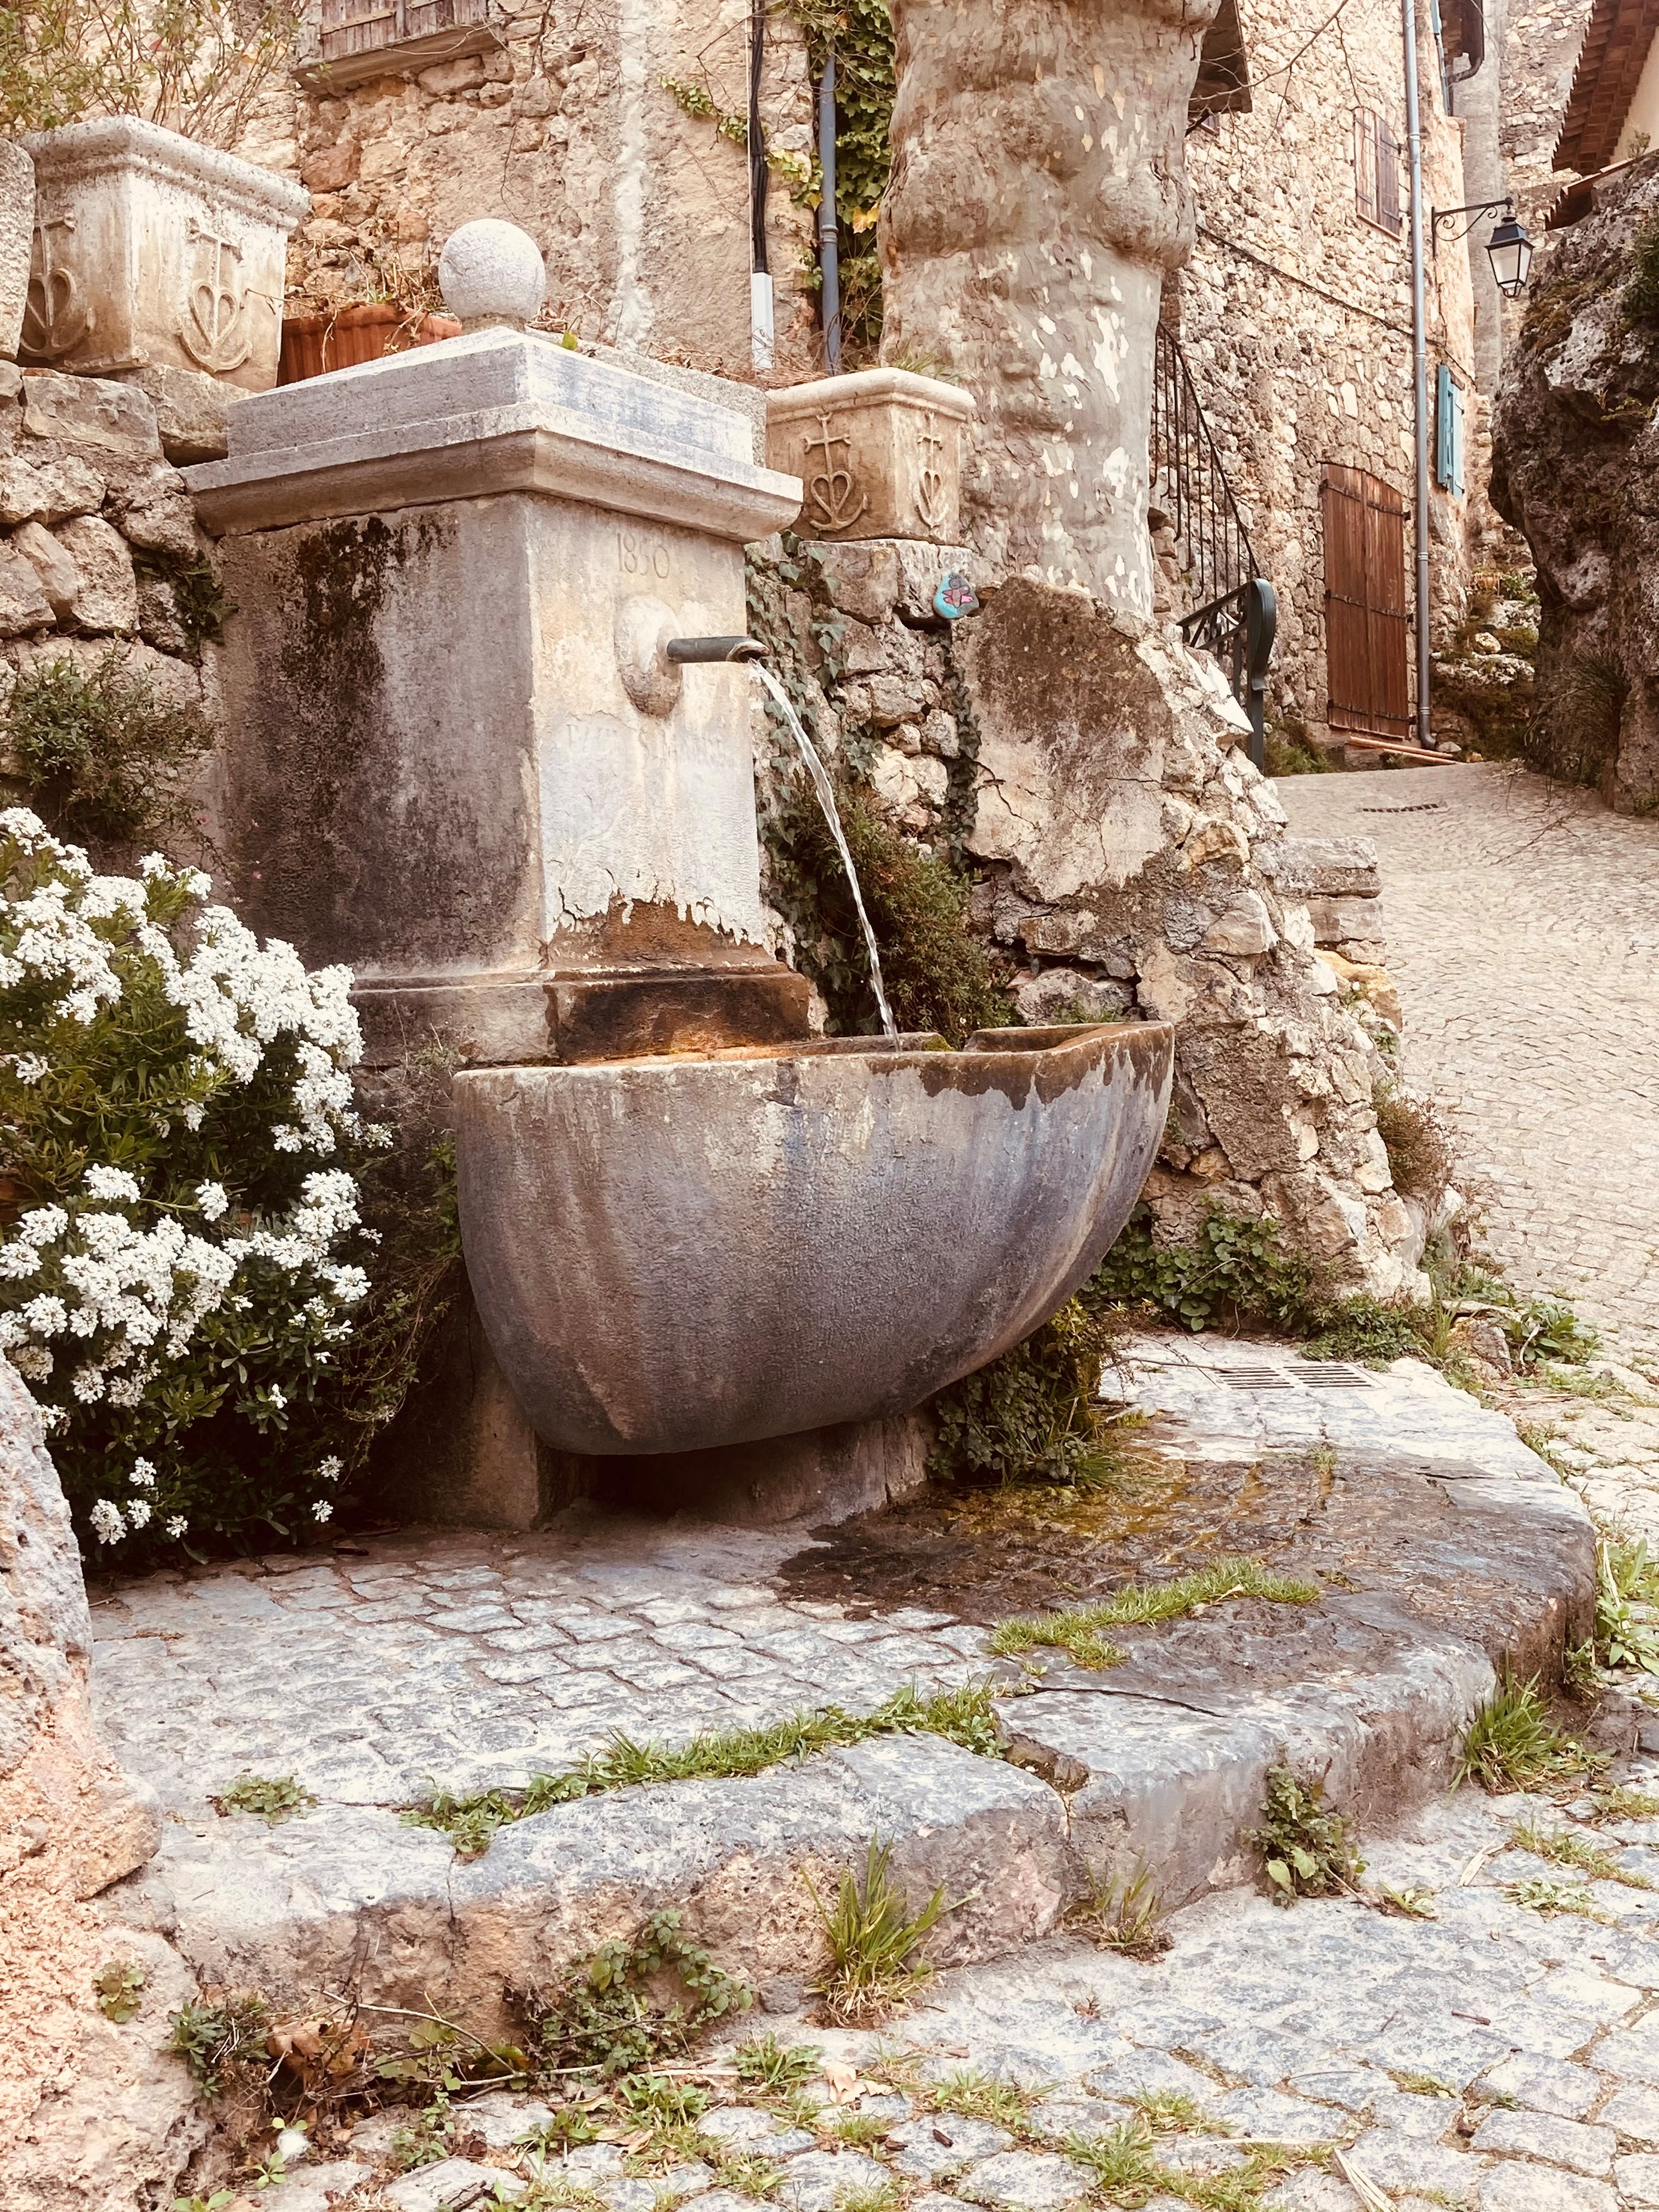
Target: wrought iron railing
(1236, 612)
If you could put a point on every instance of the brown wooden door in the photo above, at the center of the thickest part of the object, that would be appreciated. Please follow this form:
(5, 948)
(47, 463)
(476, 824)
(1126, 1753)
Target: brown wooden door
(1367, 629)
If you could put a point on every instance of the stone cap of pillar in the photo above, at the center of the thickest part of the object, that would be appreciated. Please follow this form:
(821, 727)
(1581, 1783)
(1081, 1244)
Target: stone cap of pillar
(111, 144)
(491, 411)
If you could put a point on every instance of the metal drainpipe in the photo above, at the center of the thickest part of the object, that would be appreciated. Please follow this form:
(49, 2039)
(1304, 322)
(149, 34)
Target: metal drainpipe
(760, 282)
(1419, 366)
(829, 248)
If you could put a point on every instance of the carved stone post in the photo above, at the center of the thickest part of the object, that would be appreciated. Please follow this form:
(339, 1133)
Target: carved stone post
(1037, 197)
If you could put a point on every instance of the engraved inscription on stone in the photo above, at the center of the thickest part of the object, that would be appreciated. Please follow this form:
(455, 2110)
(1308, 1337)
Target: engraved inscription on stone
(214, 327)
(831, 490)
(56, 316)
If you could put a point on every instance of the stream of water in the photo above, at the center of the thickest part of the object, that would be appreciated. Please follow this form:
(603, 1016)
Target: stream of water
(826, 792)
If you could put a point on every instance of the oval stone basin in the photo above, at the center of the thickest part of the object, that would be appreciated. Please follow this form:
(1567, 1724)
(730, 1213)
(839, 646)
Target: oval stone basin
(672, 1254)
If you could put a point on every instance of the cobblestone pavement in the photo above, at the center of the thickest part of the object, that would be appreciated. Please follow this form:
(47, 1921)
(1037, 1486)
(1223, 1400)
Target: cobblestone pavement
(473, 1661)
(1502, 2054)
(1523, 929)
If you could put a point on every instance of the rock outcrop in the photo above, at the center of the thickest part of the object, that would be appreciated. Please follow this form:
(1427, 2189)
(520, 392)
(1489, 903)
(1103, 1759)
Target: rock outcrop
(93, 2113)
(1575, 468)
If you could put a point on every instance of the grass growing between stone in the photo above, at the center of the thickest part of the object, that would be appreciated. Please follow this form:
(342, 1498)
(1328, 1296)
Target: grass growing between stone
(273, 1797)
(1513, 1744)
(1080, 1630)
(1564, 1847)
(1124, 1915)
(1307, 1850)
(872, 1942)
(963, 1716)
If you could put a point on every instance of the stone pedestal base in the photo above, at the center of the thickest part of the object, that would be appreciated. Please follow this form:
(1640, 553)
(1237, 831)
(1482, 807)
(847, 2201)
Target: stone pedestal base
(468, 1458)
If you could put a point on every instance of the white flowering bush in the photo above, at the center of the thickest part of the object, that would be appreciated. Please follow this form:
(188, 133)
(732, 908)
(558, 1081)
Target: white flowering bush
(182, 1261)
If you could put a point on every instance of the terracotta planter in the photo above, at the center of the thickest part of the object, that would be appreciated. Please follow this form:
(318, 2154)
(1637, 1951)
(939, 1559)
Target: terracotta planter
(314, 344)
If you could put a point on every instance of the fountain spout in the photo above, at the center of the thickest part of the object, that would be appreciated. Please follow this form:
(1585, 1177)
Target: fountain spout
(714, 648)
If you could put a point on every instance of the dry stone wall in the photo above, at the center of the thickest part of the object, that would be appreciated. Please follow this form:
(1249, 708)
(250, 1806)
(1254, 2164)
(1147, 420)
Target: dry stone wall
(99, 531)
(641, 210)
(1295, 316)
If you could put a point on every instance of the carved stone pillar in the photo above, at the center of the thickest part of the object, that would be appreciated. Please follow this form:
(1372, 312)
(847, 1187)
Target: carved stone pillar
(1037, 198)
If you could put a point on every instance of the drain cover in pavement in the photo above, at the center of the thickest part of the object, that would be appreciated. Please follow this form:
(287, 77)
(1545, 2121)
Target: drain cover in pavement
(1422, 806)
(1329, 1375)
(1252, 1378)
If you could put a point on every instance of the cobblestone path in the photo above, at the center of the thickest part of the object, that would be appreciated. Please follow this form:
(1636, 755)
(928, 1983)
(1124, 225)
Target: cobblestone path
(1497, 2057)
(1523, 928)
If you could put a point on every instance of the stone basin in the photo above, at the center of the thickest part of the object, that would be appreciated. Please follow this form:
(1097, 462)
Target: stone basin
(676, 1253)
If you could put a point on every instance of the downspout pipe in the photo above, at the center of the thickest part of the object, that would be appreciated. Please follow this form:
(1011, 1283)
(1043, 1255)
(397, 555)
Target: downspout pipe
(829, 244)
(1419, 365)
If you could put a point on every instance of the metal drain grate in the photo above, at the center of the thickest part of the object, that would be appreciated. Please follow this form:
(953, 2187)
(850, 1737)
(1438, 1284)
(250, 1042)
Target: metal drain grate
(1329, 1375)
(1423, 807)
(1252, 1378)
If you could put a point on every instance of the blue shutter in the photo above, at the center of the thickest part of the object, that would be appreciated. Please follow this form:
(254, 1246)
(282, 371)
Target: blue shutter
(1448, 432)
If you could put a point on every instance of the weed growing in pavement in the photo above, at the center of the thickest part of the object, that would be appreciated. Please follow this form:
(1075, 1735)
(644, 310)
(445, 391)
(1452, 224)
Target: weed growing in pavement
(1168, 2111)
(273, 1797)
(972, 2095)
(1541, 1894)
(612, 2012)
(1124, 2171)
(1513, 1744)
(1406, 1904)
(766, 2064)
(873, 1940)
(570, 2126)
(883, 2197)
(1618, 1804)
(1307, 1850)
(1424, 2085)
(1625, 1578)
(1080, 1629)
(118, 1989)
(746, 2171)
(964, 1716)
(1124, 1915)
(661, 2102)
(861, 2131)
(1565, 1848)
(216, 2202)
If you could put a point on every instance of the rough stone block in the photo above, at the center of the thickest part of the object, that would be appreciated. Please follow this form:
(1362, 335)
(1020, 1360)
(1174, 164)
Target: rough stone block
(1540, 2134)
(16, 241)
(452, 2185)
(47, 490)
(1336, 919)
(151, 250)
(105, 593)
(1332, 867)
(190, 410)
(24, 605)
(879, 453)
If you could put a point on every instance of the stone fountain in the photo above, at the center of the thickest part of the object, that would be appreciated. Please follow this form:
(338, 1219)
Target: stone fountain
(489, 743)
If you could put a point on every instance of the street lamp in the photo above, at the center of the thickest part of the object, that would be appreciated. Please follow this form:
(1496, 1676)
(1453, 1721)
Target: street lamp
(1509, 249)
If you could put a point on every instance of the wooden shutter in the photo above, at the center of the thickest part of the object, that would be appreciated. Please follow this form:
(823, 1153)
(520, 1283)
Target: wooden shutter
(1449, 431)
(1387, 178)
(1364, 163)
(1367, 643)
(1376, 170)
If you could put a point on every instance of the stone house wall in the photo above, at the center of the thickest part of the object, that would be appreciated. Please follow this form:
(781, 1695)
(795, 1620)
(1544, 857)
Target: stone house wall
(1294, 312)
(641, 210)
(93, 518)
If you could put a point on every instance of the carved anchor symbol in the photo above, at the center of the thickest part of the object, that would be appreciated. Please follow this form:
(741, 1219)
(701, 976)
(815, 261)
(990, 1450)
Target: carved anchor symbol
(216, 298)
(831, 489)
(930, 490)
(54, 317)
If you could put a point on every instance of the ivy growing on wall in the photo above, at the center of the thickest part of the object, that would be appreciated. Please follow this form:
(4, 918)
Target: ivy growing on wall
(860, 35)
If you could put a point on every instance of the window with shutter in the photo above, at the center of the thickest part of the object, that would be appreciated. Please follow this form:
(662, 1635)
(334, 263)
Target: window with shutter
(1449, 431)
(1376, 171)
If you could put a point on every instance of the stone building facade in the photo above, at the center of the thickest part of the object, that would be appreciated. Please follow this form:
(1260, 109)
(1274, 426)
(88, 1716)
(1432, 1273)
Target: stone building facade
(565, 127)
(1294, 311)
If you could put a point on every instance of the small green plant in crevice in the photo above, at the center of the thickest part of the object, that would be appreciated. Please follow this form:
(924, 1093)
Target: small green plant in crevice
(1171, 2112)
(199, 605)
(1424, 2085)
(1640, 297)
(1564, 1847)
(1512, 1743)
(272, 1797)
(1406, 1904)
(973, 2095)
(766, 2064)
(1235, 1273)
(118, 1990)
(872, 1942)
(424, 2139)
(1544, 1895)
(1307, 1850)
(108, 757)
(1625, 1577)
(1574, 729)
(661, 2102)
(1031, 1415)
(1123, 1914)
(615, 2013)
(883, 2197)
(216, 2202)
(1619, 1803)
(221, 2041)
(1079, 1630)
(859, 2131)
(1121, 2161)
(964, 1716)
(938, 975)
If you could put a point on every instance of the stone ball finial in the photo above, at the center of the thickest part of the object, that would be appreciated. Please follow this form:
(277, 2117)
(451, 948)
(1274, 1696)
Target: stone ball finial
(491, 276)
